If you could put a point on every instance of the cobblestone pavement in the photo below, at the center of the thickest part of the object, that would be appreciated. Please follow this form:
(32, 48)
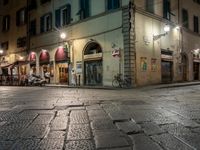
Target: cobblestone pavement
(42, 118)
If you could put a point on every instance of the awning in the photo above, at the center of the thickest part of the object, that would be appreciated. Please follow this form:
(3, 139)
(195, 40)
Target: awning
(61, 54)
(44, 57)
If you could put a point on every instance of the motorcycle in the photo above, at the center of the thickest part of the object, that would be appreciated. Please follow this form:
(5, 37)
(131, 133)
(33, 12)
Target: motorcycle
(36, 80)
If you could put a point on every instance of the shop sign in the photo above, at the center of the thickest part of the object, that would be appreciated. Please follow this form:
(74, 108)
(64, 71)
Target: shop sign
(116, 53)
(91, 56)
(78, 67)
(168, 57)
(143, 63)
(196, 60)
(153, 64)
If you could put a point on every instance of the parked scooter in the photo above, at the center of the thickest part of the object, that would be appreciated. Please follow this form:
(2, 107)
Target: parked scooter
(36, 80)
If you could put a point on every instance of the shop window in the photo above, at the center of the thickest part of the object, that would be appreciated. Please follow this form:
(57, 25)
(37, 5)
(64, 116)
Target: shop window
(63, 16)
(46, 23)
(113, 4)
(196, 24)
(6, 23)
(185, 18)
(21, 17)
(84, 11)
(32, 30)
(150, 6)
(166, 9)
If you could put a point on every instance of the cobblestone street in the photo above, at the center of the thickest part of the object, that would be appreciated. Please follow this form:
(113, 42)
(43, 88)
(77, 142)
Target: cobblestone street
(50, 118)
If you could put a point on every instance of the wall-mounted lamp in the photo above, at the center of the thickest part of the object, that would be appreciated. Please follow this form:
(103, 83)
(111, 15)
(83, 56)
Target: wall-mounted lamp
(1, 51)
(166, 29)
(63, 35)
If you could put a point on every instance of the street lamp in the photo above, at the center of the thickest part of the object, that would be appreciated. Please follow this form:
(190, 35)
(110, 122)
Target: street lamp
(1, 51)
(63, 35)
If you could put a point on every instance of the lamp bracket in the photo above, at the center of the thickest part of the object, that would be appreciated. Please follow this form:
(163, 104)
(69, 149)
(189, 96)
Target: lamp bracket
(156, 37)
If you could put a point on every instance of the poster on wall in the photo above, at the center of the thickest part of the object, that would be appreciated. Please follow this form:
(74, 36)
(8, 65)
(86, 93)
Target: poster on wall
(78, 67)
(153, 64)
(143, 63)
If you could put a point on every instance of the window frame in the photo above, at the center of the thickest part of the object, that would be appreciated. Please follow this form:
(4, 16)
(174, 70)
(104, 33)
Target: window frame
(196, 24)
(150, 9)
(6, 23)
(185, 18)
(20, 22)
(44, 27)
(107, 5)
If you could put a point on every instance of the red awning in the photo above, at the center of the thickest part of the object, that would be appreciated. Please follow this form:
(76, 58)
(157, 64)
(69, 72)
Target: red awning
(44, 57)
(61, 54)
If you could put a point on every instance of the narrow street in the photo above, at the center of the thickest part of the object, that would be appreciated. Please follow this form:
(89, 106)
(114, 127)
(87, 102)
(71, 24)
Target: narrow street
(51, 118)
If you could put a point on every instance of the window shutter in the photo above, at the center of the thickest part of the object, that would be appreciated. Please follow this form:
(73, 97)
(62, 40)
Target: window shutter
(8, 22)
(57, 19)
(50, 15)
(87, 8)
(68, 13)
(109, 4)
(17, 18)
(116, 4)
(42, 24)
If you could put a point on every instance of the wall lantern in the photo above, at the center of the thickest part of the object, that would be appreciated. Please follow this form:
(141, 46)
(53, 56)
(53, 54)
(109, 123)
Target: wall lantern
(62, 35)
(1, 51)
(166, 29)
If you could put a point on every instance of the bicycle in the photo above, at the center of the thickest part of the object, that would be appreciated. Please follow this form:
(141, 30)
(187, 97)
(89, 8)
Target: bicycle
(119, 82)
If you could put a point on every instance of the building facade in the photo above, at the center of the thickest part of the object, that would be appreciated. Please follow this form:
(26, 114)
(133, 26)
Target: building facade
(94, 45)
(13, 33)
(148, 41)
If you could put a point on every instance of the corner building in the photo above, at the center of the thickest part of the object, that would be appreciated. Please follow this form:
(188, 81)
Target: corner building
(95, 30)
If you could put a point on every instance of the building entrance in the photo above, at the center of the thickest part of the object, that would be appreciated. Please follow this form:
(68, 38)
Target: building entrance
(166, 69)
(93, 72)
(93, 64)
(196, 70)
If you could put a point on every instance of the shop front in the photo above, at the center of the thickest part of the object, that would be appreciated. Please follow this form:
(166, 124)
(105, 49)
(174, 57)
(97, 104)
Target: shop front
(93, 70)
(44, 68)
(196, 69)
(166, 66)
(62, 65)
(32, 60)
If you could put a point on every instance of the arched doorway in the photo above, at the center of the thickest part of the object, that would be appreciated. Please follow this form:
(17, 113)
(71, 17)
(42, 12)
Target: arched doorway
(61, 60)
(93, 72)
(184, 65)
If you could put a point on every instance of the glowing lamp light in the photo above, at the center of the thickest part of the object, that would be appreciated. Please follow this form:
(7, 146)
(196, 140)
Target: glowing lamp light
(166, 28)
(21, 58)
(63, 35)
(1, 51)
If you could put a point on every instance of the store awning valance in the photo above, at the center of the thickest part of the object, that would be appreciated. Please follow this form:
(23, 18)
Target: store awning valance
(61, 54)
(44, 57)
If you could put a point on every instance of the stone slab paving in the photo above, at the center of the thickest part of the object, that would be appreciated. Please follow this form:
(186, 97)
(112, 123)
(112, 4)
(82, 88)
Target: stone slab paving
(109, 139)
(79, 117)
(59, 123)
(129, 127)
(88, 119)
(144, 142)
(80, 145)
(79, 132)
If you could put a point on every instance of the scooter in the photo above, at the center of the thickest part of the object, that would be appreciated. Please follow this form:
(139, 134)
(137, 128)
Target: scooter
(36, 80)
